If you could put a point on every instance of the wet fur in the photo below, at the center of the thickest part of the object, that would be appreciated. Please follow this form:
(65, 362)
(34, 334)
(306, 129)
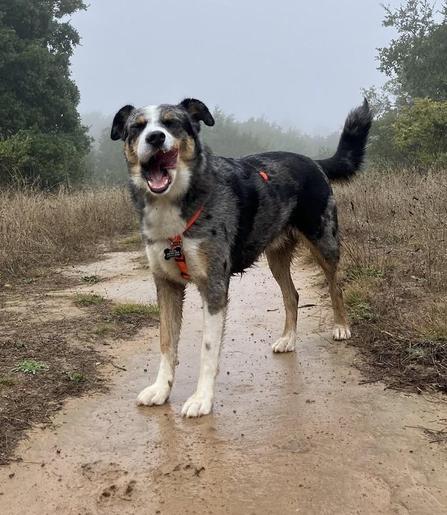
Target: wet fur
(243, 216)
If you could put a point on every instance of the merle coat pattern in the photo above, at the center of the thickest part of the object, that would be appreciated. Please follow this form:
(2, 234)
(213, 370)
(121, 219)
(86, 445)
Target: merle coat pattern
(172, 176)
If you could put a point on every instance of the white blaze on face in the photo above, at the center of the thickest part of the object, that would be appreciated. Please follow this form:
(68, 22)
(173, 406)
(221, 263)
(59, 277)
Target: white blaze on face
(144, 150)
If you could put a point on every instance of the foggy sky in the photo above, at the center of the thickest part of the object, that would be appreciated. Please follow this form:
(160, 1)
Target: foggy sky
(301, 63)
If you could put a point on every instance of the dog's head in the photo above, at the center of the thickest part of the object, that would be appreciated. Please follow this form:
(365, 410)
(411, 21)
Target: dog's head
(161, 144)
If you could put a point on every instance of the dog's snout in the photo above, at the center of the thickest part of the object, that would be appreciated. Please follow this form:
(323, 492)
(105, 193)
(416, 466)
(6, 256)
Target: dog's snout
(156, 138)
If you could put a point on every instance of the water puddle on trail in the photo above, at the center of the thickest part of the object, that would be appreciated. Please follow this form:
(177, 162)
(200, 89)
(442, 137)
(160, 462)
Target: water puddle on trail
(292, 433)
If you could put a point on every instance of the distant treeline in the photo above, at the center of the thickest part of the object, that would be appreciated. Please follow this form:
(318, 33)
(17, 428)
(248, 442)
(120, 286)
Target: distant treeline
(228, 137)
(44, 142)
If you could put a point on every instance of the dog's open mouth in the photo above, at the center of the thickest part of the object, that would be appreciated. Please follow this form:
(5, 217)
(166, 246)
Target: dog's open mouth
(156, 170)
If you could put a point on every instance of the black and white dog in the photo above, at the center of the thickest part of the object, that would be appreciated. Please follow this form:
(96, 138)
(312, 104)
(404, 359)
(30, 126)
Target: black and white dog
(205, 218)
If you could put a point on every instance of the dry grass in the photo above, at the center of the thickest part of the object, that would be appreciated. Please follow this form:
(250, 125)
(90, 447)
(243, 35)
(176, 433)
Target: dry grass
(395, 246)
(41, 229)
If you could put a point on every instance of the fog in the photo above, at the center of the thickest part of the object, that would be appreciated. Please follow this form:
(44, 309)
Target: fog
(299, 63)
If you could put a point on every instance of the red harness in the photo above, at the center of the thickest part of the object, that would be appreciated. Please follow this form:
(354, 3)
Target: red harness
(265, 176)
(176, 250)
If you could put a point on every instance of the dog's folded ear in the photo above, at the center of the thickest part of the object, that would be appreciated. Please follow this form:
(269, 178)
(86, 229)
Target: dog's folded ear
(119, 123)
(198, 112)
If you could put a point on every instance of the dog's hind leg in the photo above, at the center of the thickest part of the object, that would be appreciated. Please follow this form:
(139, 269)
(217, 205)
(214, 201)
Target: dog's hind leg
(170, 302)
(279, 259)
(326, 252)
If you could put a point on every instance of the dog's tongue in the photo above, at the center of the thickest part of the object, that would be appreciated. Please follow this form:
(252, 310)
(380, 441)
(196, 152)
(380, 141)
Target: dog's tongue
(158, 178)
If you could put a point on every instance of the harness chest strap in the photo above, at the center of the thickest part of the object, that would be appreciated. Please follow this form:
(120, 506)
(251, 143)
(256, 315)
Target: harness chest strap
(177, 248)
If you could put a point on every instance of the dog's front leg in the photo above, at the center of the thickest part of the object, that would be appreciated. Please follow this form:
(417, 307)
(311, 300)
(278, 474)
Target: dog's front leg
(170, 302)
(214, 313)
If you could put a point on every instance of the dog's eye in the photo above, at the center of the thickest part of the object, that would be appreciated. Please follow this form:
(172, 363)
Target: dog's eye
(171, 124)
(137, 127)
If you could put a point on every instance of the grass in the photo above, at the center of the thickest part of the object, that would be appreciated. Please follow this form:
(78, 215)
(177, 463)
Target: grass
(114, 312)
(104, 329)
(88, 299)
(76, 377)
(39, 229)
(132, 241)
(356, 272)
(134, 310)
(6, 382)
(91, 279)
(394, 233)
(30, 366)
(358, 304)
(434, 325)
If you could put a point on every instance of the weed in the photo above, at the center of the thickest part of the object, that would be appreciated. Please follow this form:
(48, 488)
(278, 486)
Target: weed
(133, 310)
(104, 329)
(88, 299)
(358, 304)
(6, 381)
(76, 377)
(356, 272)
(30, 366)
(91, 279)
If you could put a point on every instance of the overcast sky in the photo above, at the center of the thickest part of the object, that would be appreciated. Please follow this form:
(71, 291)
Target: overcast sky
(296, 62)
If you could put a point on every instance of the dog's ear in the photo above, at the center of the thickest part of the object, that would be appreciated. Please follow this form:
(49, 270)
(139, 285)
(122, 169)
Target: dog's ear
(119, 123)
(198, 112)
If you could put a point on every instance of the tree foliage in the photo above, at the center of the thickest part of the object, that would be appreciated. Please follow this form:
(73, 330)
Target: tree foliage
(416, 62)
(411, 125)
(420, 132)
(41, 136)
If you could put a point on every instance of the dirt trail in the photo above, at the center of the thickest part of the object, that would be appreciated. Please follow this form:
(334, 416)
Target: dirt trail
(294, 433)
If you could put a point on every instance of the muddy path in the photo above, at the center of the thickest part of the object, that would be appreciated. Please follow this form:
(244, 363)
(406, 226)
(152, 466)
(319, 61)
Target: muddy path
(292, 433)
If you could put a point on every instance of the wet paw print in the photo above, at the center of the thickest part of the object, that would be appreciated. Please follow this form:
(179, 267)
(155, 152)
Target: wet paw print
(123, 492)
(108, 492)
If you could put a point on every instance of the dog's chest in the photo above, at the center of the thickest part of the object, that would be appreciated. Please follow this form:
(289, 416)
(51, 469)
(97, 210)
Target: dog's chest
(161, 223)
(168, 268)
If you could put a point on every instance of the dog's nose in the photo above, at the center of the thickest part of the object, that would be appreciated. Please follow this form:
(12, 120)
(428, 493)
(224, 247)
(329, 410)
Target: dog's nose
(156, 138)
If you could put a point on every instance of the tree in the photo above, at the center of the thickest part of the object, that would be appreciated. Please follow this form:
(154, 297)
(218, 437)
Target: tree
(416, 62)
(41, 136)
(411, 126)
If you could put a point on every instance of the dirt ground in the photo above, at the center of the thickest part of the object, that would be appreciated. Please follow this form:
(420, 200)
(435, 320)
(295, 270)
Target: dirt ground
(294, 433)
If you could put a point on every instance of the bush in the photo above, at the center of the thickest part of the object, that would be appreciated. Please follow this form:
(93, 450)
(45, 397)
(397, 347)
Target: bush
(44, 160)
(420, 132)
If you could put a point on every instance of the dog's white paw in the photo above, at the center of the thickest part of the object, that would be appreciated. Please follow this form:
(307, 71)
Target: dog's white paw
(155, 394)
(341, 332)
(285, 343)
(197, 405)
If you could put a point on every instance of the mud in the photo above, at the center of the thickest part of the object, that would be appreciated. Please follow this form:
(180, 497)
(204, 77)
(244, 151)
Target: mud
(294, 433)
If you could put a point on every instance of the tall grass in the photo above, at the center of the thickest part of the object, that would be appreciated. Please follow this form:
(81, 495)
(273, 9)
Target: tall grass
(394, 226)
(39, 229)
(396, 220)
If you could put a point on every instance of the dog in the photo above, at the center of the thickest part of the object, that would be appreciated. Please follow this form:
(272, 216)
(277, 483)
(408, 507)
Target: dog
(205, 218)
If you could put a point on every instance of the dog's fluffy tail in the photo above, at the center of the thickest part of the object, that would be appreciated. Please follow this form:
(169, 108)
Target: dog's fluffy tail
(350, 153)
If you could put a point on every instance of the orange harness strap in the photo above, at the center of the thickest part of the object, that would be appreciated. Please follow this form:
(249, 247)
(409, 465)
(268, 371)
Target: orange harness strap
(176, 250)
(265, 176)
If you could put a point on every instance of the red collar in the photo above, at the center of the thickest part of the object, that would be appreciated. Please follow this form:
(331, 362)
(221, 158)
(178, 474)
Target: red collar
(176, 250)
